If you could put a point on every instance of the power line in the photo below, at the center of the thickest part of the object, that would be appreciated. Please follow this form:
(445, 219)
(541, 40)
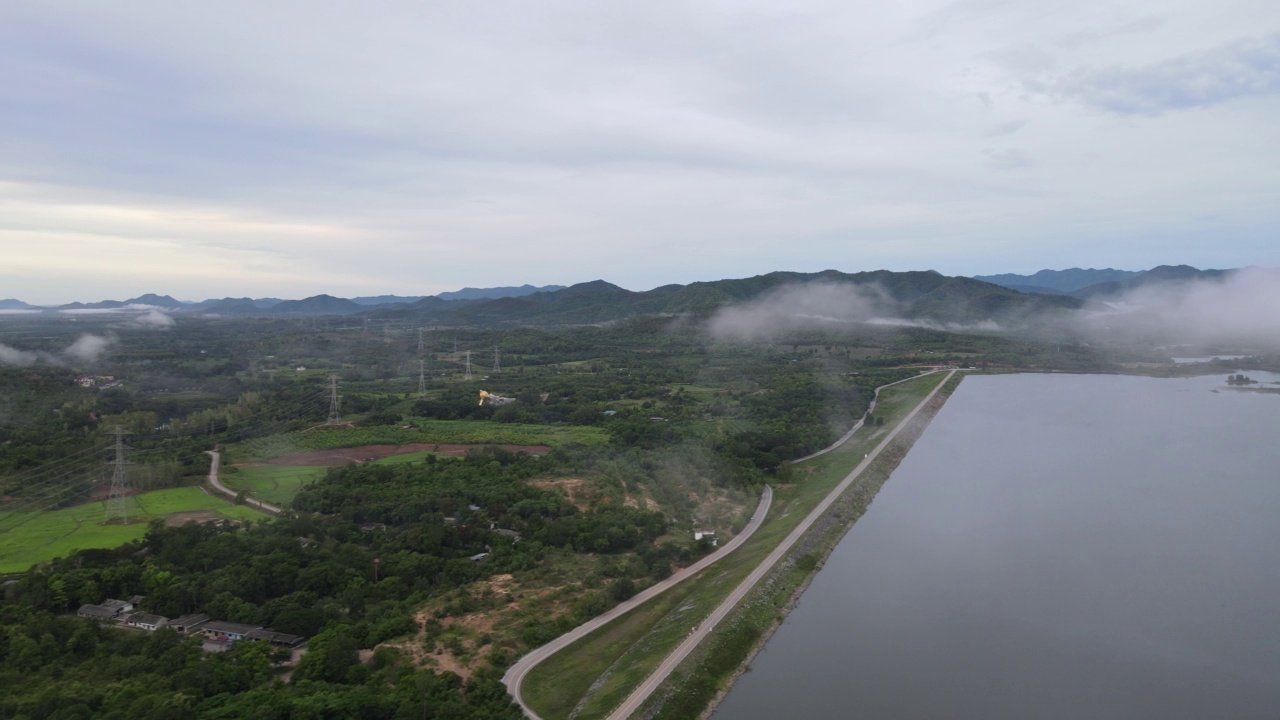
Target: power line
(335, 415)
(118, 500)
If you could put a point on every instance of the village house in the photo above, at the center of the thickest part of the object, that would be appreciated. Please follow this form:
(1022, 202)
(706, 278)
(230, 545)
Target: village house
(272, 637)
(146, 621)
(226, 631)
(97, 612)
(189, 623)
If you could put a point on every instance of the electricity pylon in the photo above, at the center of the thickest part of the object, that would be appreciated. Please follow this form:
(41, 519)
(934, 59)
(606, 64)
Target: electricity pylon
(335, 416)
(118, 500)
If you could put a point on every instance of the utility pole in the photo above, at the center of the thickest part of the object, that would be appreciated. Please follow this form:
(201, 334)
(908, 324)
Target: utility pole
(467, 375)
(335, 416)
(497, 359)
(422, 377)
(118, 500)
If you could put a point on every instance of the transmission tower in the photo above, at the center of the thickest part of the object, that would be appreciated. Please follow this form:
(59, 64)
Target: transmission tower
(118, 500)
(497, 359)
(420, 343)
(366, 326)
(335, 416)
(422, 377)
(386, 333)
(467, 374)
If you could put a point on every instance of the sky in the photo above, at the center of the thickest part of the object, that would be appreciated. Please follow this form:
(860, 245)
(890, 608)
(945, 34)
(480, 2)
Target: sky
(292, 148)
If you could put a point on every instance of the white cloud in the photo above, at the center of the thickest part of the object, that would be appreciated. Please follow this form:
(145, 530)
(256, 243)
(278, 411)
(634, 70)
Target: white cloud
(88, 348)
(1243, 68)
(153, 319)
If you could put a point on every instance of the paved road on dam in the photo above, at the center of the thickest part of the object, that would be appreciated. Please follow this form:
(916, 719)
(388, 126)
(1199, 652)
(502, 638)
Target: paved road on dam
(646, 688)
(515, 675)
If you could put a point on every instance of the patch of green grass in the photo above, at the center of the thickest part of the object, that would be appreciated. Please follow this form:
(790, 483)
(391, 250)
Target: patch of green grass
(44, 536)
(597, 673)
(276, 484)
(445, 432)
(408, 458)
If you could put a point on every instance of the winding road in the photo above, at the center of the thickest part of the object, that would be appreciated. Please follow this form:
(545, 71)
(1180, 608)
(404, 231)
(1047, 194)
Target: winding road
(217, 485)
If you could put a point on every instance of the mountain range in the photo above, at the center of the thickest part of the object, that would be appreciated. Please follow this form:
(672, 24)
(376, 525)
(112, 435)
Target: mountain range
(1094, 284)
(914, 296)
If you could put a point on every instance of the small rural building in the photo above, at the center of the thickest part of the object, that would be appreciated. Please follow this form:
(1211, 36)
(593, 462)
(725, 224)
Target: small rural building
(226, 631)
(146, 621)
(119, 606)
(479, 556)
(97, 612)
(278, 639)
(189, 623)
(708, 535)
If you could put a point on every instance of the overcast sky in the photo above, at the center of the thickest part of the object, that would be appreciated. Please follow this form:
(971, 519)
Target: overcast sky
(205, 149)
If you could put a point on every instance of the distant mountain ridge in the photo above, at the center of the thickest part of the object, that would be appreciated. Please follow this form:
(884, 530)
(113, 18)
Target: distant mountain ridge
(920, 295)
(1161, 275)
(1062, 281)
(470, 293)
(926, 296)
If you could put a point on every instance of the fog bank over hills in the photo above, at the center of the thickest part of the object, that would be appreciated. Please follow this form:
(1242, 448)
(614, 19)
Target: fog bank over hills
(1208, 307)
(1166, 304)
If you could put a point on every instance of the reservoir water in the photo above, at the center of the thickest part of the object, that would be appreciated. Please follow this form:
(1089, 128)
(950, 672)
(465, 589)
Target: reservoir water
(1054, 546)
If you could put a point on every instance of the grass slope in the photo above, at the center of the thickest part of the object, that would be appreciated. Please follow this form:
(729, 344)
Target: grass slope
(276, 484)
(445, 432)
(591, 677)
(44, 536)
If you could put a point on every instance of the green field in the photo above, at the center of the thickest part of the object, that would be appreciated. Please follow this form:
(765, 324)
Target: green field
(445, 432)
(596, 674)
(44, 536)
(276, 484)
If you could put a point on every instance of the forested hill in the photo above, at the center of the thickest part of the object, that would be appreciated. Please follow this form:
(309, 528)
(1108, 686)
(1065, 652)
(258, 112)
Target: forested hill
(918, 295)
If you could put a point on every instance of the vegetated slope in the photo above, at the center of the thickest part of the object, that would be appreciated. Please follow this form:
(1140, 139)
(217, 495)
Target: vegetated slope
(1161, 275)
(1062, 281)
(919, 295)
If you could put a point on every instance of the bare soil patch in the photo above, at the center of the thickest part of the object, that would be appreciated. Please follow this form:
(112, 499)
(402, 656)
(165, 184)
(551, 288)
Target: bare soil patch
(367, 453)
(573, 488)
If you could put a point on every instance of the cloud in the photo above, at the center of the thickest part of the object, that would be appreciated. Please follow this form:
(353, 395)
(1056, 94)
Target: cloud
(799, 307)
(1086, 38)
(88, 348)
(821, 306)
(1241, 308)
(1007, 159)
(153, 318)
(1008, 128)
(13, 356)
(1247, 67)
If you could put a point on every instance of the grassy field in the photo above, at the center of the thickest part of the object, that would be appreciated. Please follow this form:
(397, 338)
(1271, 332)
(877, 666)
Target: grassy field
(276, 484)
(45, 536)
(445, 432)
(591, 677)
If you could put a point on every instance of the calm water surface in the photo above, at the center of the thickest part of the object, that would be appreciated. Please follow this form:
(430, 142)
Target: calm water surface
(1054, 546)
